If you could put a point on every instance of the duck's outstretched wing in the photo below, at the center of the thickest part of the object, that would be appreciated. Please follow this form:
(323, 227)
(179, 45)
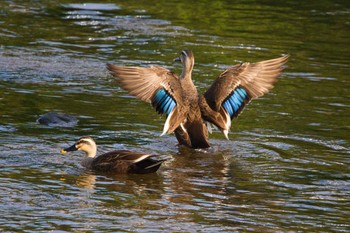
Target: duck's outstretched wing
(155, 85)
(236, 87)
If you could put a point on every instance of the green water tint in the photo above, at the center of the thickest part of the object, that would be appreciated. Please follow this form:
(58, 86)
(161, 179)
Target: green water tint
(286, 167)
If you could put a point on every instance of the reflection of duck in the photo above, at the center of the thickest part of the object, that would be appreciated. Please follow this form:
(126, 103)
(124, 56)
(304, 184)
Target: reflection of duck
(119, 161)
(86, 180)
(186, 111)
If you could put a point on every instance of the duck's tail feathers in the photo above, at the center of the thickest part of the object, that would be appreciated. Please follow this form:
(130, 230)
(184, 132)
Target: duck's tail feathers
(158, 163)
(149, 165)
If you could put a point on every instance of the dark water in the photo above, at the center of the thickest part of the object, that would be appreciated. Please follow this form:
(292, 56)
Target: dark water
(286, 167)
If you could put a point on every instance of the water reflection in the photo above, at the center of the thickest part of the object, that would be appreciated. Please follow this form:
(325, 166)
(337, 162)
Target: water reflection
(93, 6)
(123, 28)
(86, 180)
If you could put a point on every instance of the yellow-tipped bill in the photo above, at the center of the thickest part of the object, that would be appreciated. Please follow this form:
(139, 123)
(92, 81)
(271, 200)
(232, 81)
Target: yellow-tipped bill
(71, 148)
(63, 151)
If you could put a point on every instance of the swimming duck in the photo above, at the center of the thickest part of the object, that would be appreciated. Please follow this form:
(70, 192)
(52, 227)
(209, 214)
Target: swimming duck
(119, 161)
(188, 113)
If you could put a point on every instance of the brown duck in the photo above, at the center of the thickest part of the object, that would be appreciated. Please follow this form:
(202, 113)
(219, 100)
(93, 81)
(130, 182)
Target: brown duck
(187, 112)
(119, 161)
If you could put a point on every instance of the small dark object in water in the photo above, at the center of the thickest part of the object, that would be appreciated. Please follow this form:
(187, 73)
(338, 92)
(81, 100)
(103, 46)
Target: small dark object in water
(118, 161)
(58, 119)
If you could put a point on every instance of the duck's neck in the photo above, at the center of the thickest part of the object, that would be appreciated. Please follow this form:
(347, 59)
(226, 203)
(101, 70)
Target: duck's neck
(92, 151)
(187, 69)
(87, 161)
(186, 80)
(90, 155)
(186, 74)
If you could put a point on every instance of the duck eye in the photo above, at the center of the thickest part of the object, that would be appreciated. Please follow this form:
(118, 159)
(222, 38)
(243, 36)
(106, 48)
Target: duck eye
(83, 142)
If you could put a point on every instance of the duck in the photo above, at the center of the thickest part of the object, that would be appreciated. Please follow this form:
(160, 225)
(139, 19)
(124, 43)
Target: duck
(190, 115)
(116, 162)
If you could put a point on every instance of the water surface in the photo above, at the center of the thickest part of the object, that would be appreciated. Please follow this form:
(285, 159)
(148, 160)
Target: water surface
(285, 168)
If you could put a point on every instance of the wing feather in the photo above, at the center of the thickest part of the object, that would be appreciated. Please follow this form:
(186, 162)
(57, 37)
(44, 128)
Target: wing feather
(143, 82)
(236, 87)
(155, 85)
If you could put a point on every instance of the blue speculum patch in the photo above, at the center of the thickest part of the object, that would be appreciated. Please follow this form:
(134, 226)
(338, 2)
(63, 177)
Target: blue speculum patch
(163, 102)
(235, 101)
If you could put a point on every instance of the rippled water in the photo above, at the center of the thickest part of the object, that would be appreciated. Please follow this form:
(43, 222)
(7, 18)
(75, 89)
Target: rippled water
(286, 167)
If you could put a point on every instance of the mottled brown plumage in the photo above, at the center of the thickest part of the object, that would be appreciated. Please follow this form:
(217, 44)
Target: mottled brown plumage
(186, 111)
(144, 82)
(119, 161)
(256, 79)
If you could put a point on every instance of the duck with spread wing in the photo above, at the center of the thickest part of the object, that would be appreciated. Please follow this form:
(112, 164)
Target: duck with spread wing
(187, 112)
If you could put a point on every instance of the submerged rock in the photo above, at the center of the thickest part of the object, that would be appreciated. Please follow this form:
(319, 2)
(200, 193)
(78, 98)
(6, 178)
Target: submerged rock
(58, 119)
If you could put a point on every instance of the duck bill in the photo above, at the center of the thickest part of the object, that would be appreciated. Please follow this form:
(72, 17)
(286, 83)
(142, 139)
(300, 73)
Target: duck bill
(71, 148)
(177, 59)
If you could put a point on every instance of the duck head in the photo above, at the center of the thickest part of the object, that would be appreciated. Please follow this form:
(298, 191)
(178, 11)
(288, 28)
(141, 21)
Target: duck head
(86, 144)
(187, 59)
